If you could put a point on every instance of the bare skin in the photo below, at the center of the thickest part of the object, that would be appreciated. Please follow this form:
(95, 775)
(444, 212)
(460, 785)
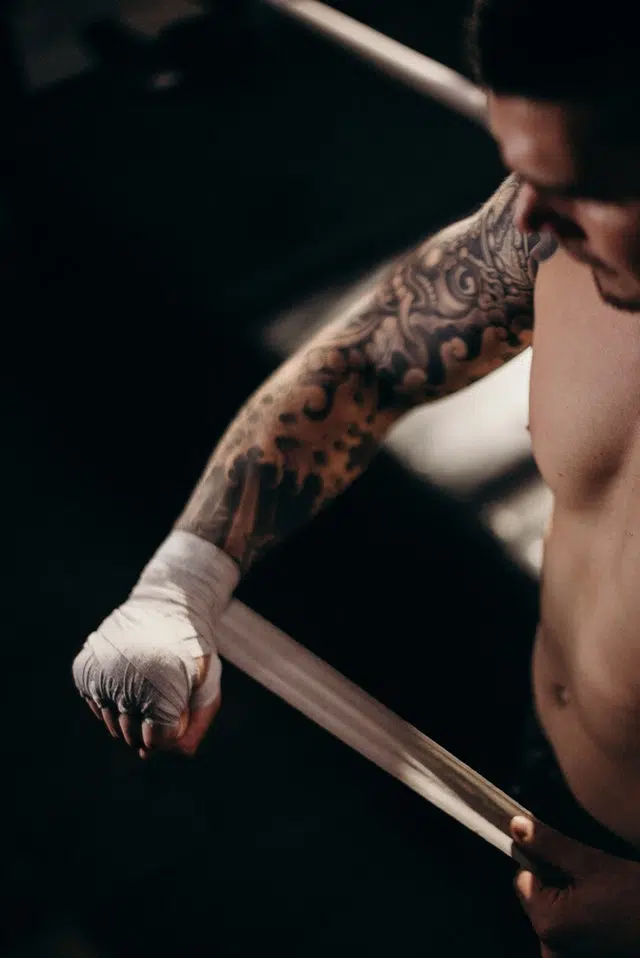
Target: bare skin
(585, 439)
(583, 189)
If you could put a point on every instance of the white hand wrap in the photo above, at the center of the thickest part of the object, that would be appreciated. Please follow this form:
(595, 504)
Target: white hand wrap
(142, 659)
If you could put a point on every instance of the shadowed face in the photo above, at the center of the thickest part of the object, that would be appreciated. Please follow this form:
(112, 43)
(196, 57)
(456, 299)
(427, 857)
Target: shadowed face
(578, 184)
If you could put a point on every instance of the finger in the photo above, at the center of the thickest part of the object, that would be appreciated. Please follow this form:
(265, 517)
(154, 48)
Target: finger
(199, 722)
(524, 883)
(163, 737)
(94, 708)
(109, 720)
(532, 893)
(130, 728)
(548, 908)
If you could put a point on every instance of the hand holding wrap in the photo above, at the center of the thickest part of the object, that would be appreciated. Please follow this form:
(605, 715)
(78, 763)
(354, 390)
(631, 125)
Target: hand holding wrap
(143, 659)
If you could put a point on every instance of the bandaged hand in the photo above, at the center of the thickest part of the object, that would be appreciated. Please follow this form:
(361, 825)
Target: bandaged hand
(151, 671)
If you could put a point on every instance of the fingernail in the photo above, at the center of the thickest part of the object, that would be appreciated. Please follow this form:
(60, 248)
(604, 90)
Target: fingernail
(522, 828)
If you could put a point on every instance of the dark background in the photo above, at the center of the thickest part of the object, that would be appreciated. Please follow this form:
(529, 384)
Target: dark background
(147, 241)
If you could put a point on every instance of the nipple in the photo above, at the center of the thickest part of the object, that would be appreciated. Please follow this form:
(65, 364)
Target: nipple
(561, 694)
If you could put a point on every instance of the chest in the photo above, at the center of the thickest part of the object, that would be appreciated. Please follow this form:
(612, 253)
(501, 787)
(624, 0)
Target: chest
(585, 384)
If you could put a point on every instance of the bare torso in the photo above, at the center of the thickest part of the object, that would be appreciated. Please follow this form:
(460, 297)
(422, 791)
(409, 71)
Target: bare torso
(585, 429)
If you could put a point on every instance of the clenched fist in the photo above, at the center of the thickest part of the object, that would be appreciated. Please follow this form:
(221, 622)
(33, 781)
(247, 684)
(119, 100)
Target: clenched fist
(151, 671)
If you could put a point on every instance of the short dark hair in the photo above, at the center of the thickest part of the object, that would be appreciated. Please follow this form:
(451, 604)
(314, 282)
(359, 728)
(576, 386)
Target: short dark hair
(556, 49)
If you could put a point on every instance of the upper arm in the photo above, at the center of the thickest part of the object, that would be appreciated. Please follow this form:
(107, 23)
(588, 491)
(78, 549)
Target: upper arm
(451, 311)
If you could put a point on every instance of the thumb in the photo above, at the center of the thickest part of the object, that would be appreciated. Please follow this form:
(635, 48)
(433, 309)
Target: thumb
(156, 736)
(198, 723)
(194, 722)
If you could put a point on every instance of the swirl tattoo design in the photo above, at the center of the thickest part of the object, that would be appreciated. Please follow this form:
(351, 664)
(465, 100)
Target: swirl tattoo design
(448, 313)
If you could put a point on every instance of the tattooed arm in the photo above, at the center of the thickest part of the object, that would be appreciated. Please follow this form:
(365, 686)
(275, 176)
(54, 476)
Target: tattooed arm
(450, 312)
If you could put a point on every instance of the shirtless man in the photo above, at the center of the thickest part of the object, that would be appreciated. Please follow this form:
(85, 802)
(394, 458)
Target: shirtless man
(561, 238)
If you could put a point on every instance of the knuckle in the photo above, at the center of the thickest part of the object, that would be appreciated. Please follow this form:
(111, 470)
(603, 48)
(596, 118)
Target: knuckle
(121, 664)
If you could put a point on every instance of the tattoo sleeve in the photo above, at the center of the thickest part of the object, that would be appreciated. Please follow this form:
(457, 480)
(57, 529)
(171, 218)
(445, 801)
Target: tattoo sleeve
(448, 313)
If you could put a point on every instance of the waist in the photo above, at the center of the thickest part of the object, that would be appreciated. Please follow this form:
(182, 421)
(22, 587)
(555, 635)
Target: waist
(590, 612)
(594, 735)
(540, 786)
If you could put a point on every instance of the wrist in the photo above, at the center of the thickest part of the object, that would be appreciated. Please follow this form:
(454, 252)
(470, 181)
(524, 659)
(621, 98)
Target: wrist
(191, 574)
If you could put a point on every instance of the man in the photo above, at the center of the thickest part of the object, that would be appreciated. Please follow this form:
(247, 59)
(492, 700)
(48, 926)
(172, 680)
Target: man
(560, 238)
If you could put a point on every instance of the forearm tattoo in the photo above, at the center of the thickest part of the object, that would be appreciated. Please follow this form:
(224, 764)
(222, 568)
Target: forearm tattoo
(450, 312)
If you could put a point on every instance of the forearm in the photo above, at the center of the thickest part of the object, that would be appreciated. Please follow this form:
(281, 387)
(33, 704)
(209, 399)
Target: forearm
(307, 433)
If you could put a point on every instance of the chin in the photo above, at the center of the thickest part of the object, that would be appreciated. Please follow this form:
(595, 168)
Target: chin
(627, 304)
